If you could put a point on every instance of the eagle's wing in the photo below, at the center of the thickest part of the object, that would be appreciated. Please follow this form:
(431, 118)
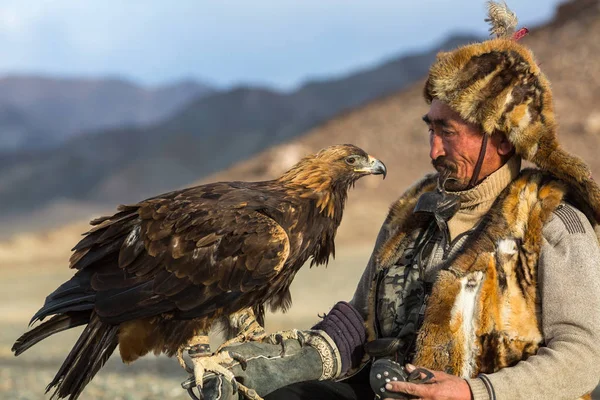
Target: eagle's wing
(201, 251)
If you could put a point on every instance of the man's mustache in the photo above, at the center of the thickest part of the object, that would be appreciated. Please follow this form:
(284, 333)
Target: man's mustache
(442, 164)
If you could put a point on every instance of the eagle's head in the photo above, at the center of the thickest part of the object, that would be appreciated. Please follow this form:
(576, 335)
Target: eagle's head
(328, 174)
(349, 163)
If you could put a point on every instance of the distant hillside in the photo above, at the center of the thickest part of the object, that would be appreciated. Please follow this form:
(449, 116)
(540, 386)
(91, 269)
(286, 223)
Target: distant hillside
(38, 112)
(391, 128)
(19, 131)
(211, 134)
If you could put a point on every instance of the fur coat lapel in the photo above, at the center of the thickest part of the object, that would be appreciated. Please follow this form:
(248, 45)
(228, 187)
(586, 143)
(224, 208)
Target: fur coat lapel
(482, 312)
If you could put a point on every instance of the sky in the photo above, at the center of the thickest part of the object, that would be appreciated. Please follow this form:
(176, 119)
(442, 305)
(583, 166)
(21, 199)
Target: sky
(278, 43)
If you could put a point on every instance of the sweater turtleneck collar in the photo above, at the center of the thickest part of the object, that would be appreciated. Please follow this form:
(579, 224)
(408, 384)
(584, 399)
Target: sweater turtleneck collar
(475, 202)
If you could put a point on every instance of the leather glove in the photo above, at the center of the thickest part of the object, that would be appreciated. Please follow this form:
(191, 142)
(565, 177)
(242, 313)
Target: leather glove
(258, 368)
(255, 369)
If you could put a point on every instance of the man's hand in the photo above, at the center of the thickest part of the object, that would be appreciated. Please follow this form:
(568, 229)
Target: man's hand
(441, 387)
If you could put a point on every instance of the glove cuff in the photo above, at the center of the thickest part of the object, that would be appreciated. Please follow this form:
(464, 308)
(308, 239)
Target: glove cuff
(308, 355)
(328, 351)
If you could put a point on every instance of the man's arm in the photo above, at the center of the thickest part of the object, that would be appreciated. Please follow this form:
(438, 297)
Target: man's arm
(361, 295)
(569, 288)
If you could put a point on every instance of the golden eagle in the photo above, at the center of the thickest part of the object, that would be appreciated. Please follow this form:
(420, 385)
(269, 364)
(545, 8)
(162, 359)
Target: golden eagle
(156, 275)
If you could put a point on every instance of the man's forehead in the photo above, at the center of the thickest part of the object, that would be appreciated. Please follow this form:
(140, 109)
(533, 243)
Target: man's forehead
(440, 113)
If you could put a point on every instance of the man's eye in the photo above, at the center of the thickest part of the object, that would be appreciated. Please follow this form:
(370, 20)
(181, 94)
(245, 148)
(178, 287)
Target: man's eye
(447, 133)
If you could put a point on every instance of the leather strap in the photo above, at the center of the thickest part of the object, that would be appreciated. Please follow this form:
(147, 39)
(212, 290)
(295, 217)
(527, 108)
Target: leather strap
(477, 169)
(420, 375)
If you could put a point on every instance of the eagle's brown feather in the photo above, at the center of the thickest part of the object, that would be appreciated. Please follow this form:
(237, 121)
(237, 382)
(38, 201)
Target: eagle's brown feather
(162, 270)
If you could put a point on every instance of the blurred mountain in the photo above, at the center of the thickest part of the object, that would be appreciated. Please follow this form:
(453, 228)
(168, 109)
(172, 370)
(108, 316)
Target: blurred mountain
(40, 112)
(18, 130)
(210, 134)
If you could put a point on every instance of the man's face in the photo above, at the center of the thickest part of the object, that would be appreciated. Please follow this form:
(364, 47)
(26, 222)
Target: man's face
(455, 145)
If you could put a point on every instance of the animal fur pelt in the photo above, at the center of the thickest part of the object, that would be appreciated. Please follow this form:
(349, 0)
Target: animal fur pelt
(481, 315)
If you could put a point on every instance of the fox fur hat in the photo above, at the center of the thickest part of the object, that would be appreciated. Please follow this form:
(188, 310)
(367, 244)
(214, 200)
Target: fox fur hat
(498, 85)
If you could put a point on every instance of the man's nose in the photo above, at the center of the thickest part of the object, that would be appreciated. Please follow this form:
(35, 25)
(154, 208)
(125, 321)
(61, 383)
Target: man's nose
(436, 148)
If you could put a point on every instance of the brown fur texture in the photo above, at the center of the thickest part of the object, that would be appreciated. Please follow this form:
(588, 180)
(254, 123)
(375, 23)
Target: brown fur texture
(498, 85)
(482, 314)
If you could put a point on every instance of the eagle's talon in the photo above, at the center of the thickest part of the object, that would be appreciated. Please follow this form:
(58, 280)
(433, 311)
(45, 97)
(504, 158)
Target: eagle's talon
(193, 395)
(239, 358)
(247, 393)
(301, 338)
(280, 341)
(189, 383)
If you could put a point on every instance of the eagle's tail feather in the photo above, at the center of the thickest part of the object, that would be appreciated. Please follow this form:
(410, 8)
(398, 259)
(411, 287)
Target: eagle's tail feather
(95, 345)
(57, 323)
(72, 296)
(66, 304)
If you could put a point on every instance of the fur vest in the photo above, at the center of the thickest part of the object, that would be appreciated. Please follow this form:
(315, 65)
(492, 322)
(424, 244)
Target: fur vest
(483, 310)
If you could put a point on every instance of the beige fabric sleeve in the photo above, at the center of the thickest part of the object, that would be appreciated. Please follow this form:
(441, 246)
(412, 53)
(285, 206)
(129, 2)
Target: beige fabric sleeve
(569, 287)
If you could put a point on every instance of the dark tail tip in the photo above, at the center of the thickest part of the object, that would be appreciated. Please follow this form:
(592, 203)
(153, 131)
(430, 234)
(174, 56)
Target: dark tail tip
(57, 323)
(95, 345)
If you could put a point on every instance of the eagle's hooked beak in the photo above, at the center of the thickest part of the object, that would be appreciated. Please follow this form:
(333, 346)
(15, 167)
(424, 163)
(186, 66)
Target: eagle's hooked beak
(373, 167)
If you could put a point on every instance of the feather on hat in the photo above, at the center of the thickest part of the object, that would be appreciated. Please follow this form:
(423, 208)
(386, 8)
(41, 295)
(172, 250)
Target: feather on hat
(498, 85)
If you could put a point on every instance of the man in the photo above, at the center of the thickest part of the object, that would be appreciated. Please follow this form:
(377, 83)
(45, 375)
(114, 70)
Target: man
(485, 277)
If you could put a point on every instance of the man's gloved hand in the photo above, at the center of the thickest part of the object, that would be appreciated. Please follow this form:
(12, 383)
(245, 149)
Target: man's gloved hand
(255, 369)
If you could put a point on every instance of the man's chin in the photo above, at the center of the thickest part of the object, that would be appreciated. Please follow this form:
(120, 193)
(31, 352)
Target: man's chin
(454, 185)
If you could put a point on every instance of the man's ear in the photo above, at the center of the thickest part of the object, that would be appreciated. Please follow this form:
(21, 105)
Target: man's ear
(504, 146)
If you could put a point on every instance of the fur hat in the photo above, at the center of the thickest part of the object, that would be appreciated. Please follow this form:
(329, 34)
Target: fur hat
(498, 85)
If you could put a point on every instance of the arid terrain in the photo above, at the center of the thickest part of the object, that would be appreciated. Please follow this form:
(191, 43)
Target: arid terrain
(24, 285)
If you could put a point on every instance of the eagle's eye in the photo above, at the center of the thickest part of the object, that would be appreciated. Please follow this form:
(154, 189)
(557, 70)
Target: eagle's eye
(351, 160)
